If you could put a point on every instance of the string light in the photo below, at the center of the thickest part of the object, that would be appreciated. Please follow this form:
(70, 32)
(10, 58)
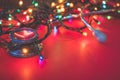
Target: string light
(98, 22)
(53, 4)
(57, 7)
(27, 17)
(62, 9)
(60, 1)
(108, 17)
(18, 10)
(118, 11)
(103, 2)
(118, 4)
(104, 6)
(85, 33)
(30, 10)
(25, 50)
(0, 22)
(20, 2)
(79, 9)
(58, 12)
(71, 5)
(25, 12)
(9, 18)
(67, 4)
(10, 25)
(36, 4)
(18, 23)
(95, 8)
(41, 58)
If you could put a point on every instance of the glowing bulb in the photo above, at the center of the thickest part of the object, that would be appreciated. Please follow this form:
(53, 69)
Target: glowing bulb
(41, 58)
(10, 25)
(18, 24)
(25, 50)
(27, 18)
(118, 4)
(20, 2)
(53, 4)
(0, 22)
(62, 9)
(85, 33)
(104, 6)
(10, 15)
(9, 18)
(108, 17)
(60, 1)
(60, 16)
(98, 23)
(68, 4)
(23, 20)
(118, 11)
(103, 2)
(25, 12)
(57, 7)
(36, 4)
(18, 10)
(51, 20)
(96, 8)
(95, 17)
(30, 10)
(58, 11)
(79, 9)
(71, 5)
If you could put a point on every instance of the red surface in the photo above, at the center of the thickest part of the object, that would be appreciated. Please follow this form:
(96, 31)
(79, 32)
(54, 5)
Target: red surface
(69, 56)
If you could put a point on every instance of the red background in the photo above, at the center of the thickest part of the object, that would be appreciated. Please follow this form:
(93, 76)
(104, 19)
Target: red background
(69, 56)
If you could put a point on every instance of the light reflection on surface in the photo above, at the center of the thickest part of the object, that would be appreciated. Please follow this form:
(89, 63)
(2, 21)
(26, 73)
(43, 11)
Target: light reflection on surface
(70, 57)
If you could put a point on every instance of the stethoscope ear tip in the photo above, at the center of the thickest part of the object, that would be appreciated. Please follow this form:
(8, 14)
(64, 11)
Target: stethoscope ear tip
(101, 37)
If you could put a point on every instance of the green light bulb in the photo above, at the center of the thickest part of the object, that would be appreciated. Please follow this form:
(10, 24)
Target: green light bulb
(18, 10)
(118, 11)
(59, 16)
(9, 18)
(0, 22)
(98, 23)
(108, 17)
(36, 4)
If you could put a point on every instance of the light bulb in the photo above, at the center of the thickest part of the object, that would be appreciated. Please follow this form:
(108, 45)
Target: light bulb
(25, 50)
(20, 2)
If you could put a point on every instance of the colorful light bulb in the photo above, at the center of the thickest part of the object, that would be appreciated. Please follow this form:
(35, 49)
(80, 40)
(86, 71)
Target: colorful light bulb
(20, 2)
(25, 50)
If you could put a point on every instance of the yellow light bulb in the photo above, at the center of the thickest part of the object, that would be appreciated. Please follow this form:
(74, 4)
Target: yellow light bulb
(57, 7)
(118, 4)
(96, 8)
(20, 2)
(85, 33)
(71, 5)
(53, 4)
(62, 9)
(25, 50)
(60, 1)
(30, 10)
